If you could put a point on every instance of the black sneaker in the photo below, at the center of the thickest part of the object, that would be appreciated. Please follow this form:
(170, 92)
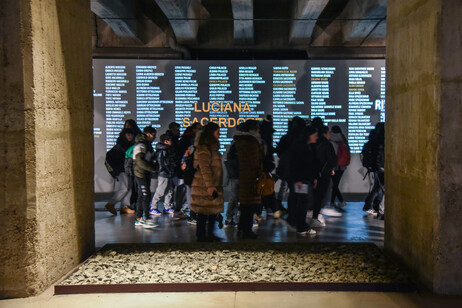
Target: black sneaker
(192, 221)
(220, 221)
(230, 224)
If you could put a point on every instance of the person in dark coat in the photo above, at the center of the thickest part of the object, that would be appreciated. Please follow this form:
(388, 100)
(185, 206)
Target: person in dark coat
(250, 154)
(304, 177)
(327, 160)
(123, 186)
(268, 202)
(283, 150)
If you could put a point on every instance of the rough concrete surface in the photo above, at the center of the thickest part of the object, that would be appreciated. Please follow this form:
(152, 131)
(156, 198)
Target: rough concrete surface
(46, 143)
(423, 169)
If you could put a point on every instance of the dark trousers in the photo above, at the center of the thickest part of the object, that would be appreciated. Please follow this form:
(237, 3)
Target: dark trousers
(246, 219)
(376, 193)
(320, 194)
(291, 205)
(336, 182)
(144, 197)
(180, 197)
(205, 226)
(134, 195)
(303, 202)
(268, 202)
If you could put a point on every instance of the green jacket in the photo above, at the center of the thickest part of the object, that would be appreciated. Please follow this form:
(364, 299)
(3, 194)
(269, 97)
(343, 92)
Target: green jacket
(143, 155)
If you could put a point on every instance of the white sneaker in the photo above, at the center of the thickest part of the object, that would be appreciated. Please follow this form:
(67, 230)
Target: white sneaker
(150, 224)
(307, 232)
(330, 212)
(372, 212)
(321, 218)
(316, 223)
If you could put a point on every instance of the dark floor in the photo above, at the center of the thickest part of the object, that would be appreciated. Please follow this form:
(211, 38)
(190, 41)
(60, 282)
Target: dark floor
(353, 226)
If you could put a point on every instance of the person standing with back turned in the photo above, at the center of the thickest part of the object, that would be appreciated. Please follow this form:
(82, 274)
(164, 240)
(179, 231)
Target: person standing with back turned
(207, 186)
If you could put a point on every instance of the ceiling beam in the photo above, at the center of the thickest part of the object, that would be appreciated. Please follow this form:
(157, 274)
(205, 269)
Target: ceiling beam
(305, 14)
(183, 15)
(120, 16)
(358, 21)
(243, 21)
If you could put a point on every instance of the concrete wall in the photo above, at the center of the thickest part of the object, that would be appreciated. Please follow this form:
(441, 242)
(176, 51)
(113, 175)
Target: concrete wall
(423, 153)
(46, 187)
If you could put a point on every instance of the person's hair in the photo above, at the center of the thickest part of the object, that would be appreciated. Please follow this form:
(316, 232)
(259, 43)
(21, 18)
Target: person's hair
(317, 123)
(251, 125)
(297, 127)
(323, 130)
(149, 130)
(173, 125)
(380, 133)
(206, 137)
(165, 137)
(127, 131)
(133, 125)
(371, 135)
(306, 133)
(337, 130)
(195, 125)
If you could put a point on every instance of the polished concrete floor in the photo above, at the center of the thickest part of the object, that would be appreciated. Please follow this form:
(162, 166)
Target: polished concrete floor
(237, 300)
(353, 226)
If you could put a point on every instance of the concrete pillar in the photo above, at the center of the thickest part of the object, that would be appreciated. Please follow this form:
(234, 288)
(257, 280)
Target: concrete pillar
(46, 146)
(423, 140)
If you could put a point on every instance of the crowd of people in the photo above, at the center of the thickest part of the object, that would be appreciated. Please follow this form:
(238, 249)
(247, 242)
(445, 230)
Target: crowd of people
(187, 173)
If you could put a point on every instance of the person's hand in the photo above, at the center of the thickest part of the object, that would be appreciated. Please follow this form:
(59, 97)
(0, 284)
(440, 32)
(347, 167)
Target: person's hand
(299, 185)
(333, 172)
(315, 184)
(210, 190)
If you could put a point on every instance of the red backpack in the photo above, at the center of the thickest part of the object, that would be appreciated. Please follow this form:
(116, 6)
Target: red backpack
(343, 155)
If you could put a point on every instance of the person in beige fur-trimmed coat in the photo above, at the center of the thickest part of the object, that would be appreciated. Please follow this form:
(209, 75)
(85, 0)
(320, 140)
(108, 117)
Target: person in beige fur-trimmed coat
(207, 186)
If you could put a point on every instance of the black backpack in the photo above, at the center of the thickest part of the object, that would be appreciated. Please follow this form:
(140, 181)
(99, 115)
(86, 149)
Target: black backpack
(369, 156)
(115, 160)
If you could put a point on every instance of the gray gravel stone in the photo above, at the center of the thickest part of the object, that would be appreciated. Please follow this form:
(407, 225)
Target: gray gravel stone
(237, 262)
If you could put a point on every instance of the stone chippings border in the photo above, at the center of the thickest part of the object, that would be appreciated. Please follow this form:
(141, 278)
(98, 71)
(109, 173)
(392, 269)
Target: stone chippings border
(237, 262)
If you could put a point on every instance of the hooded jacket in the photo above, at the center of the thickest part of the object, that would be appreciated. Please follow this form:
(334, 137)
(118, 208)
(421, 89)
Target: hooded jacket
(166, 159)
(326, 156)
(143, 156)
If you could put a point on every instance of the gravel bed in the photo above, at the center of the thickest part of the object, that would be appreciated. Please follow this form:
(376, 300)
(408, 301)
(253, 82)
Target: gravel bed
(237, 262)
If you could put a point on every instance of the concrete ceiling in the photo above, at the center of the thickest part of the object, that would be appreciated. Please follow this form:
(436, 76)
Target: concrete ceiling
(182, 26)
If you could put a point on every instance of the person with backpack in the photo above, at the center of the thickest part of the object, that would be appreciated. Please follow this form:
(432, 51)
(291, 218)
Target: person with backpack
(166, 159)
(284, 151)
(207, 186)
(143, 168)
(342, 150)
(373, 158)
(115, 163)
(183, 190)
(130, 123)
(327, 160)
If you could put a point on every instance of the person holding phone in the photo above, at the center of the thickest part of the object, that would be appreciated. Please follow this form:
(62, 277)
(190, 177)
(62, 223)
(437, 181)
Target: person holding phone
(207, 186)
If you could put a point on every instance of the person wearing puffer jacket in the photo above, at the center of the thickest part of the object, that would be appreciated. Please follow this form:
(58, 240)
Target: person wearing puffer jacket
(339, 141)
(207, 186)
